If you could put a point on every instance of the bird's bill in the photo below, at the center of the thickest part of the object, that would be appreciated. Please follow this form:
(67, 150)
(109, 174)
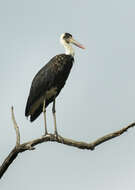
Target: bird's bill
(73, 41)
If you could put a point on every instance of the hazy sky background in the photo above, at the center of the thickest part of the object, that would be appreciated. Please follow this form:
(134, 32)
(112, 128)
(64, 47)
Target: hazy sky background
(99, 96)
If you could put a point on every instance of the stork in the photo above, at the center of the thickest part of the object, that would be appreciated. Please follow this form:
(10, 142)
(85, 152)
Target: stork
(49, 81)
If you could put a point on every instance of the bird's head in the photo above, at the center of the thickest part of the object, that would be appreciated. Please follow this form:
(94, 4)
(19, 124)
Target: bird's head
(68, 38)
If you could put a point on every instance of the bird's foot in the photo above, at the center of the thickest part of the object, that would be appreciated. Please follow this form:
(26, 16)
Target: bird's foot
(45, 135)
(58, 137)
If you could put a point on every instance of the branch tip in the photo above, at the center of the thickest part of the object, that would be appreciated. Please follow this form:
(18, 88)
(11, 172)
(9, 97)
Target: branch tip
(15, 127)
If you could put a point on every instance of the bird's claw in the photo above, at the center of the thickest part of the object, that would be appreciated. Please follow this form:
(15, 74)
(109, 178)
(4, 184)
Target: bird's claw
(45, 135)
(58, 137)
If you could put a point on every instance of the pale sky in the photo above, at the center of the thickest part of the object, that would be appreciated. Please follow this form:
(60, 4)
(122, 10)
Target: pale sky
(98, 98)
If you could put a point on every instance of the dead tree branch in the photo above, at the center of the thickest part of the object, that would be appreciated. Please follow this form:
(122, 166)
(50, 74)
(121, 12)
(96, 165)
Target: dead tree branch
(30, 145)
(15, 127)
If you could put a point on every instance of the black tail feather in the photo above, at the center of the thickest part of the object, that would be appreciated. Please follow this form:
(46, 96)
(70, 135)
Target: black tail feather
(36, 113)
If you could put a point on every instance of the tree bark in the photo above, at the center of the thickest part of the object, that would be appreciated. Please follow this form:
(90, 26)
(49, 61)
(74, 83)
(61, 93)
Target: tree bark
(30, 145)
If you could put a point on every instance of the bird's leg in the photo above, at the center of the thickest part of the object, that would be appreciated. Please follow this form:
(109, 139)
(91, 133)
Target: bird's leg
(55, 127)
(44, 113)
(54, 117)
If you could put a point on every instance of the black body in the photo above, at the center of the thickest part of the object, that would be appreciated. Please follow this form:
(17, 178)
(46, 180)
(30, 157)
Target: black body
(52, 76)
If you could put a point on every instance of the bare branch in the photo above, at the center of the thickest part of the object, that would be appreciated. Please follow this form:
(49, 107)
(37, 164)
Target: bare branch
(77, 144)
(30, 145)
(10, 158)
(15, 127)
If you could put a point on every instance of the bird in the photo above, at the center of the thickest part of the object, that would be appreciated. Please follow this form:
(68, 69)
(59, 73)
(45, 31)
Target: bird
(50, 80)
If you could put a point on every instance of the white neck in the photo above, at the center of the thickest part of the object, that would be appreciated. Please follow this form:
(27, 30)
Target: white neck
(68, 48)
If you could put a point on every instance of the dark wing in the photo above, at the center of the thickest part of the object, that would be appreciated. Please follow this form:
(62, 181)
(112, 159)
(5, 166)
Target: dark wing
(53, 75)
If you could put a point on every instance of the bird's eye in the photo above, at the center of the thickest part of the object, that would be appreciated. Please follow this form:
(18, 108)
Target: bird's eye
(67, 36)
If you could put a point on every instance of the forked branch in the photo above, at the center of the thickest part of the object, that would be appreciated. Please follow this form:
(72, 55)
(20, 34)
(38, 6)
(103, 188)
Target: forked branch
(30, 145)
